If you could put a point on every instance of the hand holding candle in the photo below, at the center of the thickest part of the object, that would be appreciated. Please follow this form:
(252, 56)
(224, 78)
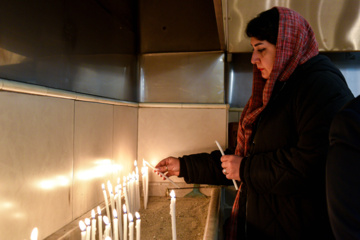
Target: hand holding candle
(163, 175)
(222, 153)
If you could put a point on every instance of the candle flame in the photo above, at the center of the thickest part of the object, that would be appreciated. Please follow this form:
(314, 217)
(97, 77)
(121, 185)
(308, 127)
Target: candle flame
(108, 238)
(99, 210)
(87, 221)
(115, 213)
(135, 163)
(93, 213)
(34, 234)
(124, 208)
(103, 186)
(130, 217)
(106, 220)
(172, 194)
(82, 225)
(137, 215)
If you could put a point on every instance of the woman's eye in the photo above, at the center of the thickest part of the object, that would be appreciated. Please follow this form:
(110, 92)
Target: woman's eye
(261, 50)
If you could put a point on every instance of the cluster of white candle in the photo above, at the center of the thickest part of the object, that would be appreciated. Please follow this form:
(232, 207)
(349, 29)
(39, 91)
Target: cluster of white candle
(114, 229)
(120, 228)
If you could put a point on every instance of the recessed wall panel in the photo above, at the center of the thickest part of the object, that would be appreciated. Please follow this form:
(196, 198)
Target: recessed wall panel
(36, 145)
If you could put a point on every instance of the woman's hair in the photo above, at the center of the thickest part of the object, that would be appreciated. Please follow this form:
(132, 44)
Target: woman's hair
(265, 26)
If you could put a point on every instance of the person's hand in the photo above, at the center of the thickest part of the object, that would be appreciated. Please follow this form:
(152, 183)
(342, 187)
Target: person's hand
(169, 166)
(231, 166)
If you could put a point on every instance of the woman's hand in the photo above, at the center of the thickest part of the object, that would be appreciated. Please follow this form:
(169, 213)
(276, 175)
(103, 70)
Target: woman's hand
(231, 166)
(169, 166)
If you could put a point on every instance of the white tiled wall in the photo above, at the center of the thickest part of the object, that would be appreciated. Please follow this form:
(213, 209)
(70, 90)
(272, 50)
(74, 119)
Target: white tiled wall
(55, 154)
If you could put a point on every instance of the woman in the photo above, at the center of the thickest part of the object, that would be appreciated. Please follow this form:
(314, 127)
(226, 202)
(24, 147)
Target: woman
(283, 135)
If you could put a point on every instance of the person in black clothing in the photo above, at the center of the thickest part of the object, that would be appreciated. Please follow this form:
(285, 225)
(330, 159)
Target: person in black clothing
(282, 140)
(342, 172)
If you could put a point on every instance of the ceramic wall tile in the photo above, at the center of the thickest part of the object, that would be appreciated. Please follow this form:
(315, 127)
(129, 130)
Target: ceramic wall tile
(93, 154)
(36, 164)
(125, 140)
(175, 132)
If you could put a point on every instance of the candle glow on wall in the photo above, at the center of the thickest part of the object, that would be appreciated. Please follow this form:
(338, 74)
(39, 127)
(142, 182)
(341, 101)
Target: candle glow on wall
(101, 169)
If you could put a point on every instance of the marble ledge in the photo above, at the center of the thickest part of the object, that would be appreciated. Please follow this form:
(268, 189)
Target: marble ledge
(19, 87)
(185, 105)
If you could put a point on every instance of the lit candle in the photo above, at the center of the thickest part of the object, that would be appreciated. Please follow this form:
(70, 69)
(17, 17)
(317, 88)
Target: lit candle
(131, 194)
(118, 208)
(112, 203)
(145, 171)
(115, 226)
(99, 222)
(131, 227)
(88, 228)
(126, 196)
(106, 201)
(172, 213)
(93, 225)
(83, 229)
(138, 222)
(34, 234)
(125, 222)
(137, 189)
(107, 226)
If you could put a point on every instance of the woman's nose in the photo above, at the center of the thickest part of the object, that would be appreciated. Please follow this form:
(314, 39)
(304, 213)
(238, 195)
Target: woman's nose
(254, 57)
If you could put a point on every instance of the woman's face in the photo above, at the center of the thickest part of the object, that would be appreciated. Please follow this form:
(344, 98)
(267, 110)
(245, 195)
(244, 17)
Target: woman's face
(263, 56)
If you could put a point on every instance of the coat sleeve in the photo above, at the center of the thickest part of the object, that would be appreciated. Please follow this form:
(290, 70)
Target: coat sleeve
(299, 167)
(203, 168)
(342, 176)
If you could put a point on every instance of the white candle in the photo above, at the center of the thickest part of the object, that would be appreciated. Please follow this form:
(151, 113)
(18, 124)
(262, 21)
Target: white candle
(161, 174)
(93, 225)
(107, 226)
(106, 201)
(126, 196)
(145, 171)
(112, 203)
(137, 185)
(118, 208)
(83, 229)
(172, 213)
(131, 227)
(99, 223)
(137, 189)
(222, 153)
(125, 222)
(88, 228)
(34, 234)
(138, 222)
(115, 226)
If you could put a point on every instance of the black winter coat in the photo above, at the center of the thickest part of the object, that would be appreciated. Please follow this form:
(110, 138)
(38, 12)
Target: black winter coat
(283, 192)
